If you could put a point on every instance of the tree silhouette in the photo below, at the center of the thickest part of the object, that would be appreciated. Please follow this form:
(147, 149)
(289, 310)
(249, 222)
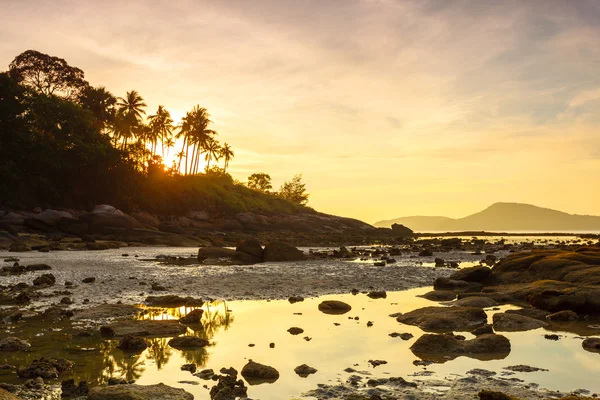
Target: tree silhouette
(131, 109)
(162, 127)
(260, 181)
(227, 154)
(294, 191)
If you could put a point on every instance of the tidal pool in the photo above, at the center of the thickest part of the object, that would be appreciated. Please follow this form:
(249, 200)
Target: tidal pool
(329, 343)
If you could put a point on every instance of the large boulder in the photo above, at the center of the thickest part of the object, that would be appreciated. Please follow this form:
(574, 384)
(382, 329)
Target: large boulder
(256, 373)
(45, 368)
(138, 392)
(472, 274)
(445, 319)
(441, 348)
(592, 344)
(475, 301)
(439, 295)
(105, 216)
(334, 307)
(231, 256)
(456, 286)
(188, 342)
(279, 251)
(504, 322)
(583, 300)
(251, 247)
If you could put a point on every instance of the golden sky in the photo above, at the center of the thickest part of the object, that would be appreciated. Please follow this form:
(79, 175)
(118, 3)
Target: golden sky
(388, 108)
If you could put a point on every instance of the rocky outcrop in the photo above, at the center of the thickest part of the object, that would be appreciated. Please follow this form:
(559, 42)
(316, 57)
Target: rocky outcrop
(591, 344)
(456, 286)
(441, 348)
(12, 343)
(471, 274)
(138, 392)
(103, 217)
(475, 301)
(279, 251)
(251, 247)
(504, 322)
(445, 319)
(256, 373)
(218, 254)
(402, 231)
(45, 368)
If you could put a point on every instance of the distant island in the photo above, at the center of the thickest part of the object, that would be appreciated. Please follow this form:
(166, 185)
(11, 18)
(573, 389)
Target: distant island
(502, 217)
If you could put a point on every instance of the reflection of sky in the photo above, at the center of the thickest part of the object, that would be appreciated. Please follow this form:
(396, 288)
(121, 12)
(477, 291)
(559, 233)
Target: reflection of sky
(434, 108)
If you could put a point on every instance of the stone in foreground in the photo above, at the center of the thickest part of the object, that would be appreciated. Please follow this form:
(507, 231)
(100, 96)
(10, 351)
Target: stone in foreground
(256, 373)
(445, 319)
(334, 307)
(441, 348)
(515, 323)
(138, 392)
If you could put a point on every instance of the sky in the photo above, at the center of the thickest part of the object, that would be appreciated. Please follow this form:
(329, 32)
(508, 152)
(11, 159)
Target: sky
(387, 108)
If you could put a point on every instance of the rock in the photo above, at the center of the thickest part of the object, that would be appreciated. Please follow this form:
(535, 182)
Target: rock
(173, 301)
(563, 316)
(132, 344)
(228, 371)
(591, 344)
(91, 279)
(471, 274)
(401, 231)
(504, 322)
(143, 328)
(45, 368)
(552, 337)
(295, 299)
(440, 348)
(193, 317)
(228, 388)
(4, 395)
(188, 342)
(104, 217)
(456, 286)
(158, 288)
(483, 330)
(439, 295)
(138, 392)
(189, 367)
(381, 294)
(38, 267)
(44, 280)
(233, 256)
(523, 368)
(69, 389)
(295, 330)
(17, 247)
(146, 219)
(251, 247)
(403, 336)
(256, 373)
(304, 370)
(445, 319)
(425, 253)
(279, 251)
(377, 363)
(530, 312)
(475, 301)
(205, 374)
(335, 307)
(12, 343)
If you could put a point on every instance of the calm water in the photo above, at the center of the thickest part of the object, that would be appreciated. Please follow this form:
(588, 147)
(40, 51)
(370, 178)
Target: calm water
(232, 326)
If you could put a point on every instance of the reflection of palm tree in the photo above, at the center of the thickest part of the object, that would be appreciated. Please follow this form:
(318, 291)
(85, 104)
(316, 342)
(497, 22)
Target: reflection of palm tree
(116, 363)
(159, 351)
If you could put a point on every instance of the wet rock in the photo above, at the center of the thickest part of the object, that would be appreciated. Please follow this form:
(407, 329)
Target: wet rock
(228, 388)
(563, 316)
(91, 279)
(256, 373)
(304, 370)
(403, 336)
(232, 256)
(444, 319)
(456, 286)
(251, 247)
(118, 381)
(377, 363)
(193, 317)
(228, 371)
(158, 288)
(69, 389)
(143, 328)
(295, 299)
(471, 274)
(44, 280)
(530, 312)
(279, 251)
(38, 267)
(295, 330)
(551, 337)
(475, 301)
(380, 294)
(523, 368)
(34, 384)
(12, 343)
(335, 307)
(132, 344)
(5, 395)
(440, 348)
(172, 301)
(483, 330)
(205, 374)
(66, 301)
(45, 368)
(481, 372)
(440, 295)
(103, 311)
(504, 322)
(188, 342)
(425, 253)
(592, 344)
(138, 392)
(189, 367)
(17, 247)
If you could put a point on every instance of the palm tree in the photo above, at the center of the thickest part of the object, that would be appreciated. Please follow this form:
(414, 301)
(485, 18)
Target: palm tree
(227, 154)
(130, 108)
(194, 129)
(169, 143)
(213, 151)
(162, 126)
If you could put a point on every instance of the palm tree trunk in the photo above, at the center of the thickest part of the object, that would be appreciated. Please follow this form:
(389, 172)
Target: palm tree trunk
(193, 159)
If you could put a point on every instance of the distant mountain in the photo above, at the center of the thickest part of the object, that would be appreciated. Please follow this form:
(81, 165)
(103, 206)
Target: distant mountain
(502, 217)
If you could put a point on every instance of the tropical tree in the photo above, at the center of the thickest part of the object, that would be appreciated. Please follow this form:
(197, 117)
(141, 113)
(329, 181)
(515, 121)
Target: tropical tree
(168, 144)
(130, 108)
(227, 154)
(162, 127)
(213, 151)
(294, 191)
(102, 104)
(194, 129)
(260, 181)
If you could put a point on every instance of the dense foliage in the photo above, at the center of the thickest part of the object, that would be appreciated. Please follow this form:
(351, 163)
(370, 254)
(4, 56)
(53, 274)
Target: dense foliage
(64, 143)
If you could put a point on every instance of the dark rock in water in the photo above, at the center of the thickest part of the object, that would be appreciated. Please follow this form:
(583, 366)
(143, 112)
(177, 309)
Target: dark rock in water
(251, 247)
(38, 267)
(295, 330)
(304, 370)
(205, 374)
(15, 269)
(335, 307)
(171, 301)
(343, 252)
(475, 301)
(523, 368)
(441, 348)
(256, 373)
(143, 328)
(401, 231)
(403, 336)
(118, 381)
(530, 312)
(188, 342)
(158, 288)
(377, 363)
(17, 247)
(445, 319)
(515, 323)
(483, 330)
(563, 316)
(399, 381)
(592, 344)
(132, 344)
(228, 388)
(35, 384)
(228, 371)
(551, 337)
(189, 367)
(66, 301)
(69, 389)
(295, 299)
(44, 280)
(45, 368)
(12, 343)
(193, 317)
(439, 295)
(471, 274)
(491, 395)
(232, 256)
(425, 253)
(91, 279)
(456, 286)
(381, 294)
(138, 392)
(279, 251)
